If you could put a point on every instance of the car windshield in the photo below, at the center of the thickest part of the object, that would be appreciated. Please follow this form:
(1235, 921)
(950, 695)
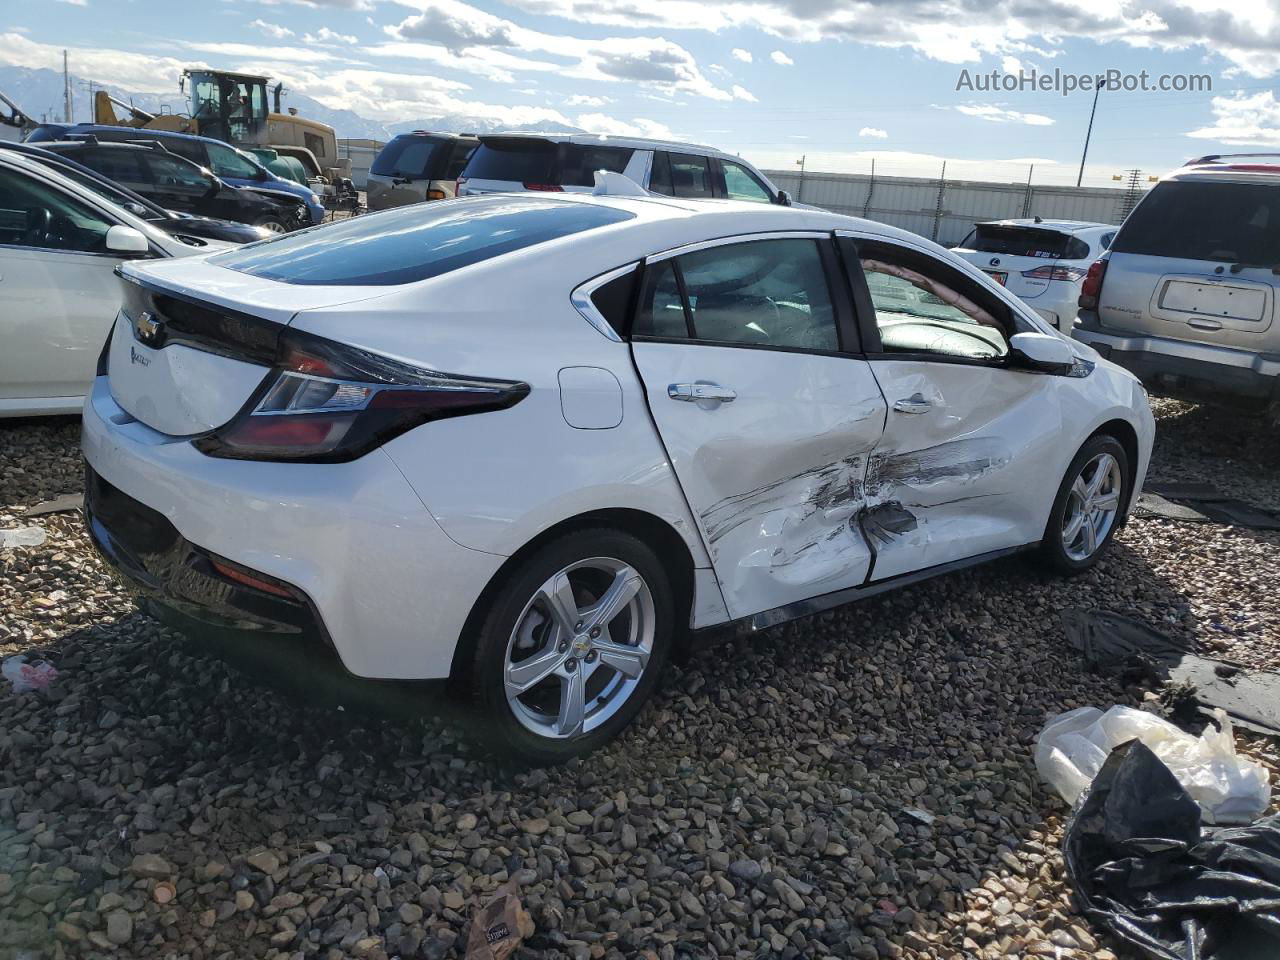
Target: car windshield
(408, 156)
(1202, 220)
(416, 242)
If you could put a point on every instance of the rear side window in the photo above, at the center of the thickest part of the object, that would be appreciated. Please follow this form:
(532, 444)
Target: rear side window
(613, 300)
(579, 163)
(416, 242)
(524, 161)
(407, 156)
(543, 162)
(1197, 220)
(124, 166)
(1021, 242)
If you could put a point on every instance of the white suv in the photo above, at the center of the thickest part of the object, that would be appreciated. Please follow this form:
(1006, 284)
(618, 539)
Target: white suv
(506, 163)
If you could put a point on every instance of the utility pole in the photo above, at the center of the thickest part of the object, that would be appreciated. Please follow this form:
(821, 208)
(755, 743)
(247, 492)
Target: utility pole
(800, 189)
(66, 90)
(1089, 132)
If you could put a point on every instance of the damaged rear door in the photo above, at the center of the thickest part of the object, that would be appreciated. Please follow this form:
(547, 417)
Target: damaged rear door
(969, 459)
(767, 420)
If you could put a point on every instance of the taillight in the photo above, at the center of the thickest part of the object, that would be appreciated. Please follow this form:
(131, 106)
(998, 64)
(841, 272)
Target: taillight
(437, 195)
(1054, 273)
(328, 403)
(547, 187)
(1091, 289)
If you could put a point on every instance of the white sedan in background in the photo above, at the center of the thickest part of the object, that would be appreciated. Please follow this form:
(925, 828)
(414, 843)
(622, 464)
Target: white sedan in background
(1043, 262)
(533, 443)
(59, 245)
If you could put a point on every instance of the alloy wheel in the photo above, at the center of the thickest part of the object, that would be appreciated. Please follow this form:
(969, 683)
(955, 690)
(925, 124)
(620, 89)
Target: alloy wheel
(1092, 507)
(579, 648)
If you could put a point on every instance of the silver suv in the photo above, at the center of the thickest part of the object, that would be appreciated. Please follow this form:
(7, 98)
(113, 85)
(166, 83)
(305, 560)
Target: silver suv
(417, 167)
(1186, 296)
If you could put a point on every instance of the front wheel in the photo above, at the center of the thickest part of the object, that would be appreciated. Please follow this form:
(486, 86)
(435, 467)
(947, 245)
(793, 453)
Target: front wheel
(1088, 506)
(271, 225)
(572, 646)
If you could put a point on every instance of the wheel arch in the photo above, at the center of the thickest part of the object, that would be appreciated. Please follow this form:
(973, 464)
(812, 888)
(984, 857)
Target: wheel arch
(648, 528)
(1123, 432)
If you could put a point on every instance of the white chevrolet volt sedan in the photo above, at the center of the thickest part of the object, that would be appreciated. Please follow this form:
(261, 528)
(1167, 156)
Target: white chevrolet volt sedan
(536, 444)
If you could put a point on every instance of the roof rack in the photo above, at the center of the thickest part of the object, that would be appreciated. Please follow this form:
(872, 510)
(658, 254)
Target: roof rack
(1215, 157)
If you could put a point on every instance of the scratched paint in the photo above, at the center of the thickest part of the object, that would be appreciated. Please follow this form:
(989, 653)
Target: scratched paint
(956, 461)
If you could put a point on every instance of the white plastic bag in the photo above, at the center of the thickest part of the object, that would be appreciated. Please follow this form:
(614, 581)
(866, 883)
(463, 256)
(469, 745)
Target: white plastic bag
(28, 676)
(1073, 746)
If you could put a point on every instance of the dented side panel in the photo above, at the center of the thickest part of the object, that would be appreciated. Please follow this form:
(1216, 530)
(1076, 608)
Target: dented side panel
(971, 473)
(775, 477)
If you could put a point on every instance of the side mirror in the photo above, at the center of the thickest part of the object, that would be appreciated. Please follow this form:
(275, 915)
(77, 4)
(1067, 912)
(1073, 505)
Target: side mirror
(784, 198)
(127, 240)
(1043, 351)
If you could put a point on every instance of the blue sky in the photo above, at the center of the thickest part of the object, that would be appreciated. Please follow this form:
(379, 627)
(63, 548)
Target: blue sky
(837, 82)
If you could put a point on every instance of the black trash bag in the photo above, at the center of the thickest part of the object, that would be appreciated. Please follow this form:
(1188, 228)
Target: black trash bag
(1143, 868)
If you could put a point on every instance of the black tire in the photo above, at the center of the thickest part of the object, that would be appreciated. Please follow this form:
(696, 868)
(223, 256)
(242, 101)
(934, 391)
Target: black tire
(483, 684)
(1053, 549)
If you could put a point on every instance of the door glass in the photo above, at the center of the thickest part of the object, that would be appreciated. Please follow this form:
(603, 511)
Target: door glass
(121, 165)
(661, 314)
(768, 293)
(741, 184)
(226, 162)
(690, 176)
(925, 307)
(660, 175)
(32, 214)
(174, 172)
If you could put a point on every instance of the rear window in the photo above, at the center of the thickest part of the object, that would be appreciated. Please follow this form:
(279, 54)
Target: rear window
(416, 242)
(544, 162)
(1195, 220)
(410, 156)
(1025, 242)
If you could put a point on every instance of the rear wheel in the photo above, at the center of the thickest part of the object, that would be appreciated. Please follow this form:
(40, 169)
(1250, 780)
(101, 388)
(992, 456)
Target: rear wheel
(572, 646)
(1087, 509)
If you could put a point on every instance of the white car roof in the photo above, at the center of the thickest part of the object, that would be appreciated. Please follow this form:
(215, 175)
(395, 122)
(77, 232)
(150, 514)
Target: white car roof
(1062, 226)
(1229, 171)
(601, 139)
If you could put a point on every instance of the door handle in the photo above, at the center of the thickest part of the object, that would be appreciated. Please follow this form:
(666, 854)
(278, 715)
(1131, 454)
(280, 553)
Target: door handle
(1204, 323)
(693, 392)
(913, 404)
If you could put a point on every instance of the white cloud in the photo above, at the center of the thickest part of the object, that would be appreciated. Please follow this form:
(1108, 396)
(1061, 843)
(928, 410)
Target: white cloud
(1011, 65)
(273, 30)
(993, 114)
(326, 36)
(742, 93)
(781, 58)
(743, 55)
(583, 100)
(1251, 120)
(1247, 35)
(76, 3)
(143, 73)
(636, 127)
(259, 53)
(874, 133)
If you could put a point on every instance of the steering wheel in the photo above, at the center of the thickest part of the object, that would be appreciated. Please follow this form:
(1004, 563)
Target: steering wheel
(39, 226)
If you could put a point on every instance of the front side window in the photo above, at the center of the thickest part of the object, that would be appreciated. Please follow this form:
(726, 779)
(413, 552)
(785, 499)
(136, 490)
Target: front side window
(33, 214)
(192, 150)
(741, 184)
(924, 307)
(226, 162)
(175, 172)
(416, 242)
(764, 293)
(690, 176)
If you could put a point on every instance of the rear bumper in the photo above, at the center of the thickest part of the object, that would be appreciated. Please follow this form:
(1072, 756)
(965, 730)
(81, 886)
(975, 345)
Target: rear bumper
(1180, 368)
(366, 564)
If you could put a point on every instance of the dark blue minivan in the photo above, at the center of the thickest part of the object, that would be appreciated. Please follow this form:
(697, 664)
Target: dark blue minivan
(229, 164)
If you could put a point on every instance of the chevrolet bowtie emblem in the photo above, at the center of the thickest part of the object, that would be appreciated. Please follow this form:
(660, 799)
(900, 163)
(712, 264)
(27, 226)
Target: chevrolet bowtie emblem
(147, 328)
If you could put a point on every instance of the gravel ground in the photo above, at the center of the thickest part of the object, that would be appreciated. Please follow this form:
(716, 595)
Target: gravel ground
(854, 785)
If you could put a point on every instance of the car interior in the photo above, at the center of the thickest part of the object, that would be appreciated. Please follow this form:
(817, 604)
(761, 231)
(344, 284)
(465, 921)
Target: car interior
(32, 215)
